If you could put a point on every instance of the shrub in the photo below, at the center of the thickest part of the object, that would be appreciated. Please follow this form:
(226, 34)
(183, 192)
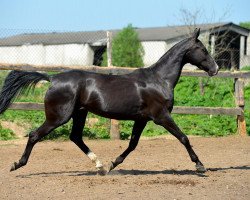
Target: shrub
(6, 134)
(127, 50)
(245, 68)
(245, 24)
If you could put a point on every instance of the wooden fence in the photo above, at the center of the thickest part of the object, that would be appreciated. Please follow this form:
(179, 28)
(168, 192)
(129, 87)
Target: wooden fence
(238, 77)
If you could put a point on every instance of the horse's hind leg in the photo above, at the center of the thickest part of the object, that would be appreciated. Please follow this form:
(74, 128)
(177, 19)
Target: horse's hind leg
(34, 137)
(167, 122)
(79, 118)
(58, 111)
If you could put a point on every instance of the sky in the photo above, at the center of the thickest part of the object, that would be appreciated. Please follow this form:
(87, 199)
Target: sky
(91, 15)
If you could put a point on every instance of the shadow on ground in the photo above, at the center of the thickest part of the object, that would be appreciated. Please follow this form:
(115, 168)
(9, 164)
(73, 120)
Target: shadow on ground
(124, 172)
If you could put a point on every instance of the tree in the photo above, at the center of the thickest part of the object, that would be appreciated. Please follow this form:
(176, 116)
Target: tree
(245, 24)
(127, 50)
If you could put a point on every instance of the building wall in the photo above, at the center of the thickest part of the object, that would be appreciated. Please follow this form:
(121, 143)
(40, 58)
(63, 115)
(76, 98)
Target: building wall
(69, 54)
(82, 54)
(9, 54)
(246, 58)
(248, 45)
(155, 49)
(244, 51)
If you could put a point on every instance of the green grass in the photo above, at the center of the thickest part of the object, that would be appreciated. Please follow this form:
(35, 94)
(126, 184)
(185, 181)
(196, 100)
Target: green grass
(6, 134)
(245, 68)
(217, 92)
(247, 107)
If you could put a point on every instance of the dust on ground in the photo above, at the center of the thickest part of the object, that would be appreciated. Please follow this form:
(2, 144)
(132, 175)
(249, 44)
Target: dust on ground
(158, 169)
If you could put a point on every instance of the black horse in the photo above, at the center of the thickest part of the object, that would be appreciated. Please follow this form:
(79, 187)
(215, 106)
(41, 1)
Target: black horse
(143, 95)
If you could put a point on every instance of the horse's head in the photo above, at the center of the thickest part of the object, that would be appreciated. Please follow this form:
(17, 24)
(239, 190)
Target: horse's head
(198, 55)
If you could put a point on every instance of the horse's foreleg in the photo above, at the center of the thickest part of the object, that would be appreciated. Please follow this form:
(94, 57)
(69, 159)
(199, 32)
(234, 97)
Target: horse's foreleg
(136, 133)
(79, 119)
(167, 122)
(34, 137)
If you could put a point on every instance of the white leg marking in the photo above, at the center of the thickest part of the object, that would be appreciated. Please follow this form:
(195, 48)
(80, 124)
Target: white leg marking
(95, 160)
(98, 163)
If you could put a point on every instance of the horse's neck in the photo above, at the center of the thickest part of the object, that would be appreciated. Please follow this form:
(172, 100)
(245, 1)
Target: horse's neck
(169, 66)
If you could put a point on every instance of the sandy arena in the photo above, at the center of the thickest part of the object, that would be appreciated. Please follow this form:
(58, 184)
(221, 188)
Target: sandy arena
(158, 169)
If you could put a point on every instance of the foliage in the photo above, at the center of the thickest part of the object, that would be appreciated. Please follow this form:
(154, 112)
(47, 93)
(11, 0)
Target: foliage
(246, 68)
(245, 24)
(247, 107)
(6, 134)
(126, 49)
(3, 74)
(218, 92)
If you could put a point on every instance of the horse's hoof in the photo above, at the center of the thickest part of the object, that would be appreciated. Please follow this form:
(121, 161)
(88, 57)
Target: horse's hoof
(101, 171)
(13, 167)
(200, 168)
(110, 166)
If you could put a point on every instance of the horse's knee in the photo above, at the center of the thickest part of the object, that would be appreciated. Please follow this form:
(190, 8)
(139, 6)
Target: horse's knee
(132, 148)
(33, 137)
(184, 140)
(133, 145)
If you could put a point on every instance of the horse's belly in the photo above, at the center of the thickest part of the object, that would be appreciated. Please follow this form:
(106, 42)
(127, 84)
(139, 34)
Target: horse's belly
(123, 109)
(118, 100)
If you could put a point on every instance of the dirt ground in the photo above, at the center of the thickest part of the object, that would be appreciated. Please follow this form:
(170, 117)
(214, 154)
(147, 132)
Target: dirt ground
(157, 169)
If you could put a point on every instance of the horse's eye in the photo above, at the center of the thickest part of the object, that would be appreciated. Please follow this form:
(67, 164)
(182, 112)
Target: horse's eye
(204, 50)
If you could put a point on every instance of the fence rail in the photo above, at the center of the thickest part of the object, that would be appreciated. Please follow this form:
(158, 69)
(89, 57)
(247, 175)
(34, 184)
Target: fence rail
(114, 70)
(176, 110)
(238, 87)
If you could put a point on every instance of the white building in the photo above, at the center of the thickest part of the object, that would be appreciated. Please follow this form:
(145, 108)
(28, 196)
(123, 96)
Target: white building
(228, 41)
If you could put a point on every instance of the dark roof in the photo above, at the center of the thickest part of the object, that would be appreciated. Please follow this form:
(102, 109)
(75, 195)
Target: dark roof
(99, 37)
(231, 27)
(54, 38)
(171, 32)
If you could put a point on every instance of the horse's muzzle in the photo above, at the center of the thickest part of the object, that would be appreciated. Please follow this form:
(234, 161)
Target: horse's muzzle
(212, 73)
(215, 71)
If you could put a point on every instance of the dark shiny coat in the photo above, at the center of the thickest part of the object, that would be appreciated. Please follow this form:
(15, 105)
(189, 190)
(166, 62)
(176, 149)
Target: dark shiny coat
(143, 95)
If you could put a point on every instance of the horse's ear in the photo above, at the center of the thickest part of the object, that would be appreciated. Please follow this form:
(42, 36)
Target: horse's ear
(196, 33)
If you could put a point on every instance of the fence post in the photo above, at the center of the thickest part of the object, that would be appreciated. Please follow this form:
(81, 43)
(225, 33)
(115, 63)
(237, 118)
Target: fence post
(114, 124)
(109, 48)
(240, 103)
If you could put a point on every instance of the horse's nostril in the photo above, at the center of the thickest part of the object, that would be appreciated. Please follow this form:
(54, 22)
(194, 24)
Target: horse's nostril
(212, 73)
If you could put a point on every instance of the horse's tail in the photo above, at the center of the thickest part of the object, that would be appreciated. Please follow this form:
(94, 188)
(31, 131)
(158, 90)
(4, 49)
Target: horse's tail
(15, 83)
